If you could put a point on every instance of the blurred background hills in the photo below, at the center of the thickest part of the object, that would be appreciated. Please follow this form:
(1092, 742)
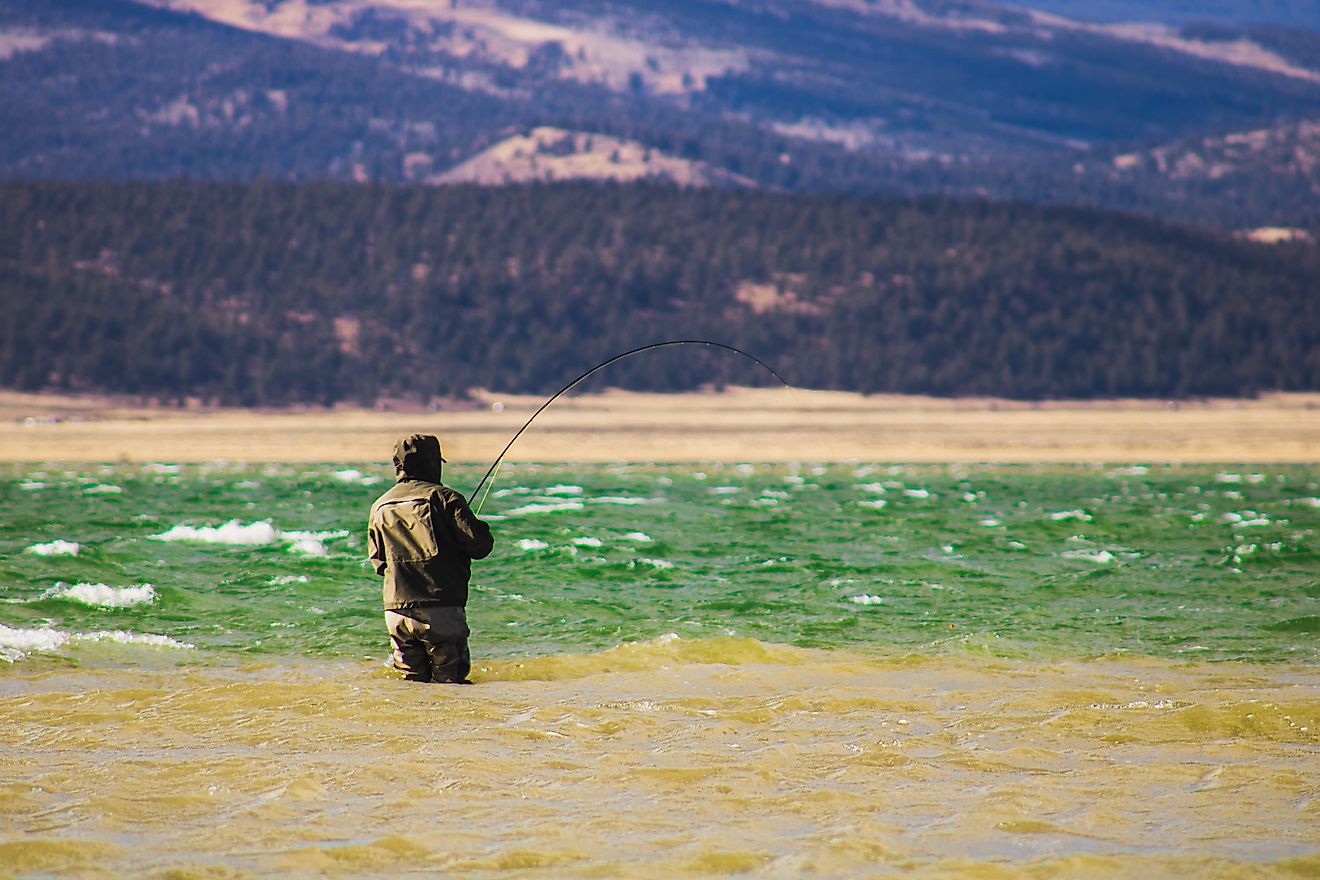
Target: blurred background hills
(1204, 115)
(1210, 119)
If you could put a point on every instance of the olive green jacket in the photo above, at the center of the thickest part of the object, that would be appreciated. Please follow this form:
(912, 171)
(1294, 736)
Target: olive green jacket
(422, 536)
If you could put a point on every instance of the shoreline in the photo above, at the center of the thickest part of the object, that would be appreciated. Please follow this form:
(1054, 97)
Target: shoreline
(735, 425)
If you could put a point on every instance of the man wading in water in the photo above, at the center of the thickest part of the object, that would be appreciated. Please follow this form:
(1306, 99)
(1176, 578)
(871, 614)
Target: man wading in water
(422, 537)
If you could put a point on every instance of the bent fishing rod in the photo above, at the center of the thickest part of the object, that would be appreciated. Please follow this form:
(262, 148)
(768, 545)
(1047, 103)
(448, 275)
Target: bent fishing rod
(494, 468)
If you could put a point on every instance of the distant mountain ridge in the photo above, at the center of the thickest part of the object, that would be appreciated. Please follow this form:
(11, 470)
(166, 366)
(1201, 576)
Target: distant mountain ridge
(1283, 13)
(941, 96)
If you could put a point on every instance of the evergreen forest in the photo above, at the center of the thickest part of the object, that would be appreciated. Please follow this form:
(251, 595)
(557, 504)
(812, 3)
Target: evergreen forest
(271, 293)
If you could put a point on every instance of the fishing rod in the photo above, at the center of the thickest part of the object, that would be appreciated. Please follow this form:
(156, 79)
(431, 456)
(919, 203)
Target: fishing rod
(494, 468)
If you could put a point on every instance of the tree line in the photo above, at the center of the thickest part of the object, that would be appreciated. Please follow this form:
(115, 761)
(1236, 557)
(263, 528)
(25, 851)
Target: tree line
(271, 293)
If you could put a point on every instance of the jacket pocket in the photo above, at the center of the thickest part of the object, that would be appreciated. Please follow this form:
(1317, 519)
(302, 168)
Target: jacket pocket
(406, 530)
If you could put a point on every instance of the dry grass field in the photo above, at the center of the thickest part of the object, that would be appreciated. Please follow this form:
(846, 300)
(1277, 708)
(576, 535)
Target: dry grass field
(734, 425)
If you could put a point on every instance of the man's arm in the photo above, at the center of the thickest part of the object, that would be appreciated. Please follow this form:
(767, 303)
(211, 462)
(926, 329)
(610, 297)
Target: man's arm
(375, 549)
(472, 534)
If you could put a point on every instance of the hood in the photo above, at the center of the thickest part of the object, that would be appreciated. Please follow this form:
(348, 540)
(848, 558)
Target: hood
(417, 457)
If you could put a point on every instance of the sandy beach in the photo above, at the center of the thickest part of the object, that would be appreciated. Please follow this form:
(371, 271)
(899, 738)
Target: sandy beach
(735, 425)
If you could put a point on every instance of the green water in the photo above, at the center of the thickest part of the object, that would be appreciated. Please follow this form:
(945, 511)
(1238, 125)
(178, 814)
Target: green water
(1205, 563)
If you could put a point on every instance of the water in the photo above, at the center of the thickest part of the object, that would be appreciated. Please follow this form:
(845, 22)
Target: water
(698, 669)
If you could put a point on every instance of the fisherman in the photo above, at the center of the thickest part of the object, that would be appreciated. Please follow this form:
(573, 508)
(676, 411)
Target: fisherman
(422, 537)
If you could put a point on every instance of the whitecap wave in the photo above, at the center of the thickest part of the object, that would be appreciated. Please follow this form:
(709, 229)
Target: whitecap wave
(1100, 556)
(123, 637)
(355, 477)
(103, 596)
(1246, 519)
(866, 599)
(1077, 514)
(532, 544)
(309, 547)
(16, 644)
(588, 542)
(660, 564)
(56, 548)
(103, 489)
(310, 543)
(232, 532)
(623, 500)
(637, 537)
(544, 507)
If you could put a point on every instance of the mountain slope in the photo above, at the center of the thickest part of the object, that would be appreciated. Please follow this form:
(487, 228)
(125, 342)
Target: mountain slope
(967, 78)
(845, 95)
(271, 292)
(1289, 13)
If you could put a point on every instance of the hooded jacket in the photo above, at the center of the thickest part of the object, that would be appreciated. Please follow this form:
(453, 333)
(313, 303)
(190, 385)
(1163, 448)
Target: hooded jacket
(422, 536)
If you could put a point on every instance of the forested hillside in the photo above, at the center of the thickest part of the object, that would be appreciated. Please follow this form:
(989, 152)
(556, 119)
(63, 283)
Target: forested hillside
(270, 292)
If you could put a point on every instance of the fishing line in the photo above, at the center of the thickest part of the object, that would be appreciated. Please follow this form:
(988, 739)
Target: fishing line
(495, 466)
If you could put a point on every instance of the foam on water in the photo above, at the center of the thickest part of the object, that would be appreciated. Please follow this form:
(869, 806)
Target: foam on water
(623, 500)
(103, 489)
(18, 643)
(311, 543)
(1078, 514)
(121, 637)
(1246, 519)
(637, 537)
(1099, 556)
(532, 544)
(653, 563)
(545, 507)
(866, 599)
(57, 547)
(356, 477)
(232, 532)
(309, 547)
(103, 596)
